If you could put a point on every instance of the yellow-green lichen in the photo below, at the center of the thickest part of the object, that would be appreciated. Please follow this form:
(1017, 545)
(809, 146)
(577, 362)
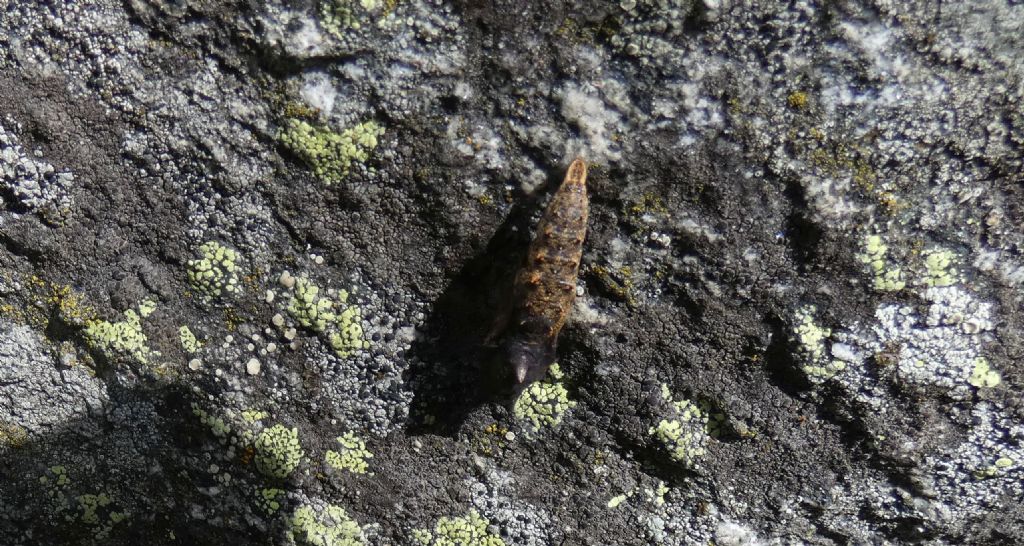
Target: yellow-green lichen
(617, 500)
(348, 336)
(337, 16)
(684, 433)
(1000, 466)
(56, 482)
(327, 526)
(309, 308)
(657, 495)
(470, 530)
(216, 272)
(330, 154)
(251, 415)
(543, 403)
(98, 513)
(217, 426)
(811, 339)
(939, 265)
(351, 456)
(122, 338)
(982, 375)
(269, 499)
(887, 278)
(422, 536)
(278, 451)
(339, 322)
(492, 440)
(189, 342)
(797, 100)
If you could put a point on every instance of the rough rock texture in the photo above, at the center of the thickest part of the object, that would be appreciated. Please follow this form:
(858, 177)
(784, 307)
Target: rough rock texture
(252, 251)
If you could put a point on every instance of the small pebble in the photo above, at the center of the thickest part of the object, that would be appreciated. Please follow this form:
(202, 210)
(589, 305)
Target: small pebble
(195, 364)
(252, 367)
(277, 320)
(270, 296)
(286, 279)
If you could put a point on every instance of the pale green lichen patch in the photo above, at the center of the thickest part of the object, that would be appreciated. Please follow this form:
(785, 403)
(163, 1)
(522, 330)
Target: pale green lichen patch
(811, 339)
(330, 316)
(217, 426)
(348, 335)
(278, 451)
(326, 526)
(887, 278)
(270, 499)
(99, 514)
(310, 309)
(215, 273)
(337, 16)
(939, 268)
(351, 456)
(97, 511)
(124, 337)
(684, 433)
(982, 375)
(544, 403)
(330, 154)
(617, 500)
(252, 416)
(56, 482)
(189, 342)
(470, 530)
(999, 467)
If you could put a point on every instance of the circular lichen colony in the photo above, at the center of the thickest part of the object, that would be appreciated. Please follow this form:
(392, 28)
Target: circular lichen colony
(216, 273)
(278, 451)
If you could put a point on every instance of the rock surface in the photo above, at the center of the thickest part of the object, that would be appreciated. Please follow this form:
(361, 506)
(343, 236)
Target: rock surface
(252, 251)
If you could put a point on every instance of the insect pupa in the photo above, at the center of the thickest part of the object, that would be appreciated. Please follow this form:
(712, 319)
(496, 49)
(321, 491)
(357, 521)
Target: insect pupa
(545, 287)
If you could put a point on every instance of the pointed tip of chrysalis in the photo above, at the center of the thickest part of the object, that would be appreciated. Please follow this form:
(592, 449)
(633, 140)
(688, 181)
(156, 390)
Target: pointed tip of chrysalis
(520, 369)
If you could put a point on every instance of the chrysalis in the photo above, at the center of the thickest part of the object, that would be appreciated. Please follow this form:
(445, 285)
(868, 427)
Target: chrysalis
(546, 285)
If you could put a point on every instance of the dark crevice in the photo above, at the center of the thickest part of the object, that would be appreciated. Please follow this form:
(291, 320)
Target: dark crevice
(803, 234)
(782, 366)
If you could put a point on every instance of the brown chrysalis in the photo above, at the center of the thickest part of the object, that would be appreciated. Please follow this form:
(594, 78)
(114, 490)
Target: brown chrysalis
(545, 287)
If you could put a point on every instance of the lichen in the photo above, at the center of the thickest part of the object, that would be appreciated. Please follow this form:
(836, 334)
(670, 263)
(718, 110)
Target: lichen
(339, 322)
(351, 456)
(470, 530)
(326, 526)
(189, 342)
(887, 278)
(811, 339)
(939, 268)
(278, 451)
(544, 403)
(330, 154)
(124, 337)
(983, 375)
(12, 435)
(252, 416)
(336, 16)
(217, 426)
(684, 433)
(269, 499)
(216, 272)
